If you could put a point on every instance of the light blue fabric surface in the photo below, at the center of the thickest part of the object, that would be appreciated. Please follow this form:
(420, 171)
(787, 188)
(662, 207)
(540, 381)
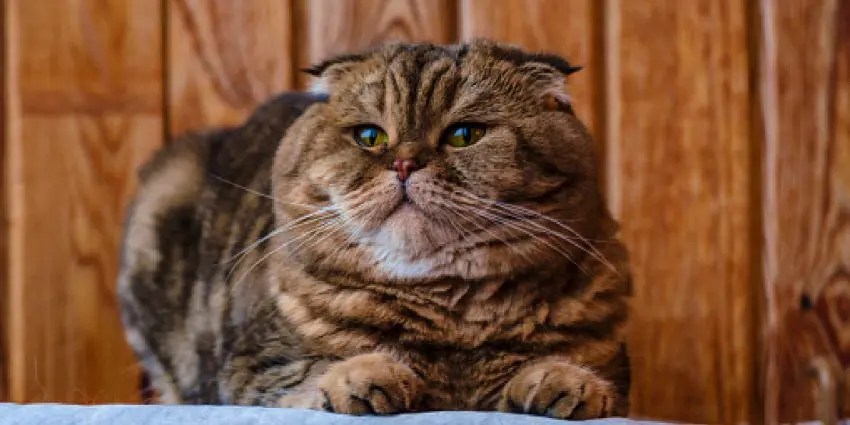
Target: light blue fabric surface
(56, 414)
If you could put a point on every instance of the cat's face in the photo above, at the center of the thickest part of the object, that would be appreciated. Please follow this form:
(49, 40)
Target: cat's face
(433, 161)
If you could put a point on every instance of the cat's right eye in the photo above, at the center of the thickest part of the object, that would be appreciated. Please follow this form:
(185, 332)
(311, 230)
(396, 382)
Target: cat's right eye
(463, 135)
(370, 136)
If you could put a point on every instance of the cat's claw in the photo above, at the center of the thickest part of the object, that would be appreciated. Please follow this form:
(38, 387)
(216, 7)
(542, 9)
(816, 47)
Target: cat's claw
(366, 384)
(560, 390)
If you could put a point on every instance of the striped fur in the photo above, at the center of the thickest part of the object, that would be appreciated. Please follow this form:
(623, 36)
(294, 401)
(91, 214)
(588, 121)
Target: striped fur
(491, 279)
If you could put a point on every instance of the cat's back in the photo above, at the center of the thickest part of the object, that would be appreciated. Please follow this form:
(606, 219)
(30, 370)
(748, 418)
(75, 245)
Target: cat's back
(199, 198)
(176, 176)
(203, 174)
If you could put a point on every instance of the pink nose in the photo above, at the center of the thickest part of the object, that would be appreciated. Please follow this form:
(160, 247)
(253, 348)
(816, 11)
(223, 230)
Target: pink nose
(404, 167)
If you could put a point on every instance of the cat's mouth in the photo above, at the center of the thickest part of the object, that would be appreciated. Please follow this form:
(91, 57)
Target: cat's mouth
(407, 208)
(399, 206)
(414, 200)
(405, 205)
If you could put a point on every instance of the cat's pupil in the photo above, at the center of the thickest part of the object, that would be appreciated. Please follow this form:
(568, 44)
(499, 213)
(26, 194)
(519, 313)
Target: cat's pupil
(464, 135)
(369, 135)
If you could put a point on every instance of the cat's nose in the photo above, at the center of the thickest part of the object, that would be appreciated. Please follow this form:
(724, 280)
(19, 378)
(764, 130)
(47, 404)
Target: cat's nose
(404, 167)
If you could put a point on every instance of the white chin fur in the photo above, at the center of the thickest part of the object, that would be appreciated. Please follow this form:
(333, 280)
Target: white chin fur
(398, 267)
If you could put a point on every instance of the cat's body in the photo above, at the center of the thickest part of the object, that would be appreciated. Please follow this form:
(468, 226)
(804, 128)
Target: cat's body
(404, 276)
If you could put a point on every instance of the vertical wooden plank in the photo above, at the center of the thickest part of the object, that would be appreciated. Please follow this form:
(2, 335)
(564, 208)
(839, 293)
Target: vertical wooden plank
(84, 110)
(224, 58)
(571, 29)
(679, 176)
(334, 27)
(4, 234)
(805, 75)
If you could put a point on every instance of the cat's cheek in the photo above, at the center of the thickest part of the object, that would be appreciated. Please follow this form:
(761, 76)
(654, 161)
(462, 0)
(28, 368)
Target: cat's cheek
(324, 173)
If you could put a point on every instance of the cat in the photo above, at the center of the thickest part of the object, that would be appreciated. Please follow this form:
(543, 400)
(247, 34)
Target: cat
(423, 232)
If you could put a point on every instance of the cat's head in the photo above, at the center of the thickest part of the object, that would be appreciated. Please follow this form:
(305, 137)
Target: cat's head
(430, 161)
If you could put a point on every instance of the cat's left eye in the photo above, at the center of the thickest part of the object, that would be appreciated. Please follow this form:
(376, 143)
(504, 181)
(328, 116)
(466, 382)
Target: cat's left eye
(370, 136)
(463, 135)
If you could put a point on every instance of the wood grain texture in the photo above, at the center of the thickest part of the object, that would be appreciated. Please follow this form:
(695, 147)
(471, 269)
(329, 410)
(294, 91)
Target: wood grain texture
(332, 27)
(666, 91)
(4, 234)
(84, 101)
(224, 58)
(571, 29)
(679, 178)
(805, 50)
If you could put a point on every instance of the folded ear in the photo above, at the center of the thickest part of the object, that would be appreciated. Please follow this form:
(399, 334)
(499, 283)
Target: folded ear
(548, 72)
(327, 72)
(521, 58)
(560, 64)
(557, 100)
(551, 84)
(319, 69)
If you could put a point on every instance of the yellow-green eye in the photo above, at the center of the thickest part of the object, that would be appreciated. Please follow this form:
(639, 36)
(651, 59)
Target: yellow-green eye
(370, 136)
(463, 135)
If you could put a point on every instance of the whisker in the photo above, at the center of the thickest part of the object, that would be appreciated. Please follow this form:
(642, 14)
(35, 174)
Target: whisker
(519, 223)
(335, 226)
(352, 236)
(287, 226)
(271, 234)
(516, 209)
(261, 194)
(309, 234)
(331, 225)
(460, 230)
(459, 214)
(253, 266)
(517, 226)
(528, 227)
(590, 250)
(341, 223)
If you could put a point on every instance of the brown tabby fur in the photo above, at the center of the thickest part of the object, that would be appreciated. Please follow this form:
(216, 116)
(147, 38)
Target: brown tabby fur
(491, 280)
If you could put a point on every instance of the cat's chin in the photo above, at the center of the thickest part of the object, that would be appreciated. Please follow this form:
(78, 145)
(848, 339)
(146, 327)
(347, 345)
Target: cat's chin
(405, 224)
(408, 231)
(406, 210)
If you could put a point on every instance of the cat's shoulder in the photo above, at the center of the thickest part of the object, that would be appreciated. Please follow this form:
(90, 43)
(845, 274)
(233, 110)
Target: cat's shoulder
(177, 171)
(282, 109)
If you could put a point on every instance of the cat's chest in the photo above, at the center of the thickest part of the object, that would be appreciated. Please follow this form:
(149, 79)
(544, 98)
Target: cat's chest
(349, 325)
(463, 379)
(467, 328)
(347, 319)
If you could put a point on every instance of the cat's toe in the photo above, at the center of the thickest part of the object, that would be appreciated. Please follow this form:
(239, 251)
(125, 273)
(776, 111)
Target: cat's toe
(369, 384)
(559, 390)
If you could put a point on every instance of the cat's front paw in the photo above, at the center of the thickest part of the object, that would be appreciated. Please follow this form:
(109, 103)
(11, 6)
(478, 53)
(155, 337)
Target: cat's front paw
(369, 384)
(558, 389)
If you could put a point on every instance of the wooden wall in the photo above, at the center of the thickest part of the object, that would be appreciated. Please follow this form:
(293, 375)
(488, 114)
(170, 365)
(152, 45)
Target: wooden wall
(4, 295)
(723, 136)
(84, 109)
(805, 104)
